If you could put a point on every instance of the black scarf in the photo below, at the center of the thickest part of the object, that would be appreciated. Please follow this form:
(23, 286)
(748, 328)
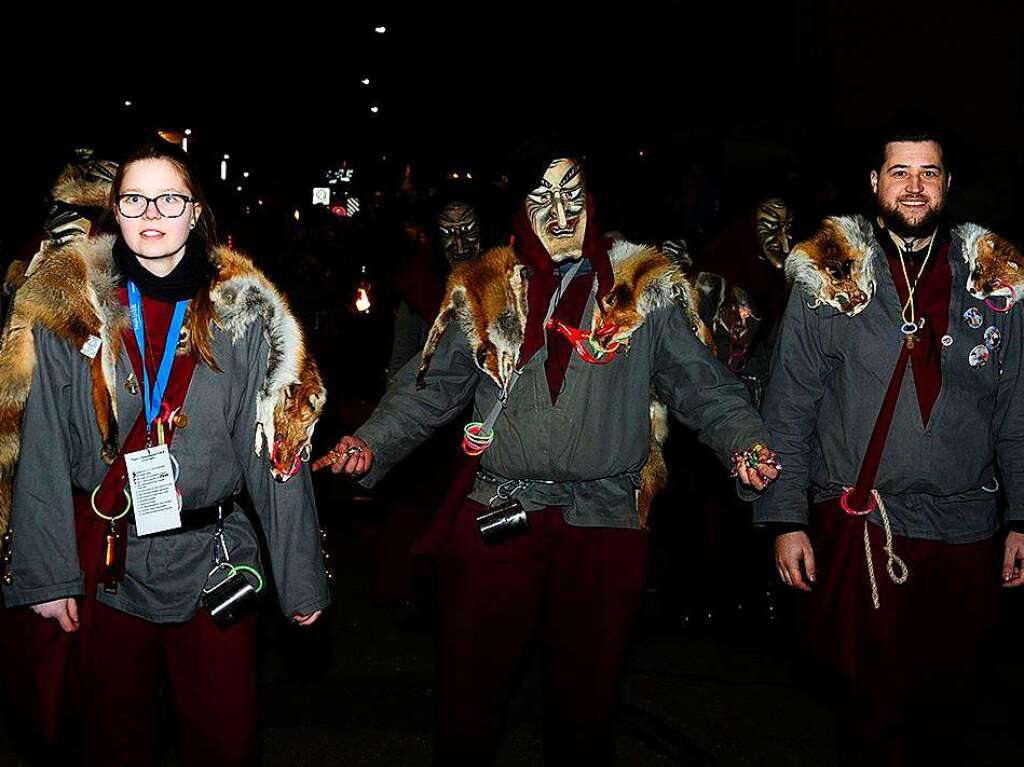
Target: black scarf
(192, 272)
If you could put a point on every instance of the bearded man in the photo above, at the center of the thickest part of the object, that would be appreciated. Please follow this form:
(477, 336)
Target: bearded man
(535, 336)
(896, 398)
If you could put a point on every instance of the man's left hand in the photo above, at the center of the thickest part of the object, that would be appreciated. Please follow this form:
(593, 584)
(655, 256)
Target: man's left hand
(1013, 560)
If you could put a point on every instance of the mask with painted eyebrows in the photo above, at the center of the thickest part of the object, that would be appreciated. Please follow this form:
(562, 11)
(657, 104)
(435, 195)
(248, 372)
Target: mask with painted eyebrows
(460, 232)
(774, 222)
(557, 210)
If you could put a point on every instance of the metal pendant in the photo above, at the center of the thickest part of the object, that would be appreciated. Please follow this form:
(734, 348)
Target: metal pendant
(131, 385)
(909, 331)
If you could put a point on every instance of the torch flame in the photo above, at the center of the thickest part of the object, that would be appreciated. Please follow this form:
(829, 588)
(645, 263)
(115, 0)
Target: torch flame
(362, 301)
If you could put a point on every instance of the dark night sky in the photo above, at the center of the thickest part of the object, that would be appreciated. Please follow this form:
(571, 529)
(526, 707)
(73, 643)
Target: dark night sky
(797, 81)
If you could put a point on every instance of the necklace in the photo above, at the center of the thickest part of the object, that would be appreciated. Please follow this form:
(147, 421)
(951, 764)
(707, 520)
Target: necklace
(910, 322)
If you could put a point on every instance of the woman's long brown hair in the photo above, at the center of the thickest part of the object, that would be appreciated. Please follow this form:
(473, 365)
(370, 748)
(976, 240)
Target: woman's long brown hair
(200, 316)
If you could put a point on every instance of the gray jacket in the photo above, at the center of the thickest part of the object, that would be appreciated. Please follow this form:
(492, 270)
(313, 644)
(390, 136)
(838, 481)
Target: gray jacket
(165, 573)
(829, 377)
(586, 451)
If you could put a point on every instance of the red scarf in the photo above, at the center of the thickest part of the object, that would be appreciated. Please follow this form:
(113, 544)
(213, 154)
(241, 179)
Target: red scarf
(543, 281)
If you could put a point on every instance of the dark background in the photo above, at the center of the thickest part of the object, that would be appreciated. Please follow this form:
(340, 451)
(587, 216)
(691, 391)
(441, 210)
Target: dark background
(783, 93)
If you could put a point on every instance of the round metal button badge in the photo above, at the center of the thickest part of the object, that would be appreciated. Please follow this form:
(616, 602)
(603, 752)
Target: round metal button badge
(979, 356)
(993, 338)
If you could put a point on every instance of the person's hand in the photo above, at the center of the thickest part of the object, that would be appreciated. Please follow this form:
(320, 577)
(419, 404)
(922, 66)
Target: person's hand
(351, 455)
(64, 611)
(758, 478)
(793, 557)
(306, 620)
(1013, 560)
(757, 467)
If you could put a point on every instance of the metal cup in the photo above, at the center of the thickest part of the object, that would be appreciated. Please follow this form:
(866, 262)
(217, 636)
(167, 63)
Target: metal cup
(230, 599)
(502, 522)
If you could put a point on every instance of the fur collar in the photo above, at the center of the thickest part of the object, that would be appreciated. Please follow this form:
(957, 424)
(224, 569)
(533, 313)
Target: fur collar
(487, 298)
(993, 264)
(73, 293)
(836, 266)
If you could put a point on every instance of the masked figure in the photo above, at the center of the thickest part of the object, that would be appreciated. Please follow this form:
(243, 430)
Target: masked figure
(78, 199)
(557, 210)
(459, 228)
(774, 223)
(547, 538)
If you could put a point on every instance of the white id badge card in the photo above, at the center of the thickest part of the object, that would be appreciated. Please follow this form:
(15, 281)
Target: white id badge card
(154, 496)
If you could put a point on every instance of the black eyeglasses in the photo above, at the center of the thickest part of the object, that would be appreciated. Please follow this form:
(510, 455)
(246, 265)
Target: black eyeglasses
(169, 205)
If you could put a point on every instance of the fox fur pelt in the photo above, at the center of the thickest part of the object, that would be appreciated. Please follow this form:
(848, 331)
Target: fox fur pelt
(487, 297)
(835, 266)
(73, 294)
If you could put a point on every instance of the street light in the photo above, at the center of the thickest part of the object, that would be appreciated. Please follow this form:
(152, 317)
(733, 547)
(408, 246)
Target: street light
(365, 81)
(245, 174)
(375, 109)
(380, 30)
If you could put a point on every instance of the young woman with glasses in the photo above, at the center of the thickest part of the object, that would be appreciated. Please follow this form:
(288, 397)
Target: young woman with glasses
(169, 374)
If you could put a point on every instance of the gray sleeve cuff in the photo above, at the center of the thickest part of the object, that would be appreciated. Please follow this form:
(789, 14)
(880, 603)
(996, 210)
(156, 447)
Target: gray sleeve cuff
(308, 606)
(1014, 514)
(381, 462)
(15, 597)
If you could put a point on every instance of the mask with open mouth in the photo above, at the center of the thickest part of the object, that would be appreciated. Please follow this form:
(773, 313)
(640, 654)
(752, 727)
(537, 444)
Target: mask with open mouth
(460, 232)
(557, 210)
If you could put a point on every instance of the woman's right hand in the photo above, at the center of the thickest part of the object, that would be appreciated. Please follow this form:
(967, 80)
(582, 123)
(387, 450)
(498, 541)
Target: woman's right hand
(351, 455)
(64, 611)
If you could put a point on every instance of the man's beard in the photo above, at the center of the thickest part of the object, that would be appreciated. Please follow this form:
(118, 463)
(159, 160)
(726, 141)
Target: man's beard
(896, 222)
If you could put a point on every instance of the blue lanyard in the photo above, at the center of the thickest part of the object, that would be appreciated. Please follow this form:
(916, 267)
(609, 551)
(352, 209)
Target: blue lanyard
(153, 398)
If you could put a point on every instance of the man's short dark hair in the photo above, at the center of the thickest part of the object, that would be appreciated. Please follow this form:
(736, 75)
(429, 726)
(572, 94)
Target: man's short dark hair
(913, 129)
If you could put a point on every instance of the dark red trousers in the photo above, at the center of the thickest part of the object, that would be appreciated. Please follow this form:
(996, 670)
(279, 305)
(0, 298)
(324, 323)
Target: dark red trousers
(98, 686)
(908, 671)
(575, 591)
